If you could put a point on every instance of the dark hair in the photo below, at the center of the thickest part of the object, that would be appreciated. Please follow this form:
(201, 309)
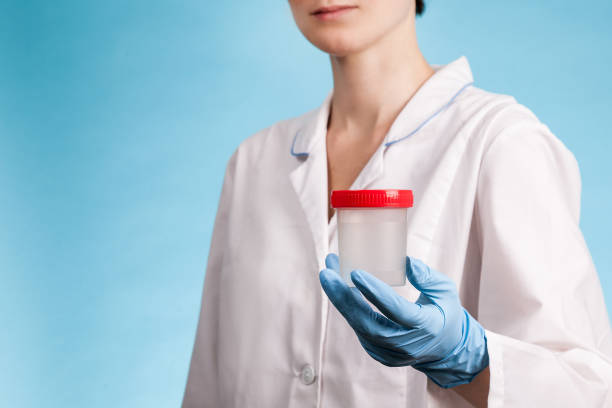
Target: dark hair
(420, 7)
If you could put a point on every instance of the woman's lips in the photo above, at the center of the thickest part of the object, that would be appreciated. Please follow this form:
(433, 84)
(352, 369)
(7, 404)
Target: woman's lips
(331, 13)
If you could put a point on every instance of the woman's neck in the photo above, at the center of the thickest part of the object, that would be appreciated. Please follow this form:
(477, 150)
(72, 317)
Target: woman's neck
(373, 85)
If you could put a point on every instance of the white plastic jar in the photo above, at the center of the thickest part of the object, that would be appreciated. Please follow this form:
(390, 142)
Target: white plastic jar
(372, 233)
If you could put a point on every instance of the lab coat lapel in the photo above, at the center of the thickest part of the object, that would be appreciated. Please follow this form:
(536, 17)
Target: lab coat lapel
(430, 100)
(310, 185)
(309, 178)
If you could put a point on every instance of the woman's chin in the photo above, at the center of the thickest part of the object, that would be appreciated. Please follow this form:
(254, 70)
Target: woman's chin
(338, 46)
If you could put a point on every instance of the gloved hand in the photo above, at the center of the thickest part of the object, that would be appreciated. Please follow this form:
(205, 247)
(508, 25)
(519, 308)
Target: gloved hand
(435, 335)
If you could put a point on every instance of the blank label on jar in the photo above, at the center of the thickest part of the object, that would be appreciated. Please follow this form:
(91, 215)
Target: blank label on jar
(375, 247)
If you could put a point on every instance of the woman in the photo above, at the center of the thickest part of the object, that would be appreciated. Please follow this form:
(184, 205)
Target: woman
(515, 313)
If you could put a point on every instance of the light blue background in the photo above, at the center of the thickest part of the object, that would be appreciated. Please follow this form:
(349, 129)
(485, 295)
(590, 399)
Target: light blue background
(117, 118)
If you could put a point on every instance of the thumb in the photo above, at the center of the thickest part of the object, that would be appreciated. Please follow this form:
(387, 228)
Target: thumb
(431, 283)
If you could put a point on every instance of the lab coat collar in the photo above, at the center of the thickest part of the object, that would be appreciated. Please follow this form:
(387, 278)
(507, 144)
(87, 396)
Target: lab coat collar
(431, 99)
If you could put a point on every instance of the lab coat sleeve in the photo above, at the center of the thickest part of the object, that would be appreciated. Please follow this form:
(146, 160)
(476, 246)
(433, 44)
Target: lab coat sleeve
(540, 298)
(202, 388)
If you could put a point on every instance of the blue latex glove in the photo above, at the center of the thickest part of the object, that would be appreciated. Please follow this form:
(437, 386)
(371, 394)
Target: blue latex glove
(435, 335)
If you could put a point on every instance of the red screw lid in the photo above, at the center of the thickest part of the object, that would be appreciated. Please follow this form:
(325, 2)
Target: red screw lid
(371, 198)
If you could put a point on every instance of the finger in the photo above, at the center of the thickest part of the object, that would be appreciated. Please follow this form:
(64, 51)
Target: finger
(428, 281)
(332, 262)
(392, 305)
(353, 307)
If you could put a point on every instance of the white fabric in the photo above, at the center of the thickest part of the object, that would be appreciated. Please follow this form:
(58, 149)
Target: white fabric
(497, 202)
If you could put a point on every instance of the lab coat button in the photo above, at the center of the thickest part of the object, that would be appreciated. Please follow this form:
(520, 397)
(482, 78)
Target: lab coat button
(307, 376)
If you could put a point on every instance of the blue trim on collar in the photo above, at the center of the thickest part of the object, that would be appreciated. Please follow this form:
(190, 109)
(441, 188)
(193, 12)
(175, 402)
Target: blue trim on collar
(431, 117)
(436, 113)
(293, 152)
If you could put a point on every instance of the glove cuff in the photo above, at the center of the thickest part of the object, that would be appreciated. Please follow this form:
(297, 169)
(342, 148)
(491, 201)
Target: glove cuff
(465, 362)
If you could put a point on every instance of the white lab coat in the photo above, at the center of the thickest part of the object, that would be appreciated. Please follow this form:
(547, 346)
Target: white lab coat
(497, 202)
